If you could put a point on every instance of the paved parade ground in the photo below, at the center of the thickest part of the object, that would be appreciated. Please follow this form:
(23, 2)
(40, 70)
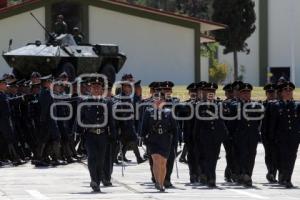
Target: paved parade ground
(72, 182)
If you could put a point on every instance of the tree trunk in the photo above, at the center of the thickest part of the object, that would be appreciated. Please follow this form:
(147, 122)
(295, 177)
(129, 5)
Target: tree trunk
(236, 66)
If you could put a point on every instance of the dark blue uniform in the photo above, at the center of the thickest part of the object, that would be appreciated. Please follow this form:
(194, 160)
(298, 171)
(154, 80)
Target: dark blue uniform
(159, 132)
(268, 140)
(246, 135)
(231, 171)
(33, 120)
(189, 139)
(49, 134)
(285, 126)
(129, 135)
(96, 138)
(210, 132)
(6, 127)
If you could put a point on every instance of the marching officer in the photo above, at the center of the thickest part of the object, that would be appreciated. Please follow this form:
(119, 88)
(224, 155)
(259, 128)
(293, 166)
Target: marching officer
(188, 127)
(33, 116)
(271, 149)
(111, 147)
(211, 131)
(166, 89)
(159, 133)
(230, 173)
(97, 120)
(6, 125)
(246, 132)
(199, 151)
(285, 131)
(154, 91)
(129, 137)
(49, 135)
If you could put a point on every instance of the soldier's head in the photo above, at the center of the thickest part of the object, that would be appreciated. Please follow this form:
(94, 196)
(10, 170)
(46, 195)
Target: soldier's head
(3, 85)
(46, 81)
(12, 87)
(200, 90)
(76, 31)
(210, 91)
(35, 87)
(60, 18)
(58, 87)
(63, 77)
(152, 86)
(35, 77)
(286, 90)
(236, 88)
(270, 90)
(84, 87)
(192, 88)
(26, 87)
(167, 89)
(20, 86)
(159, 99)
(228, 91)
(245, 91)
(96, 86)
(128, 84)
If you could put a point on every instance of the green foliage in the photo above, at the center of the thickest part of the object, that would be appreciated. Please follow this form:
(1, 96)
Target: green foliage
(209, 50)
(218, 72)
(194, 8)
(240, 17)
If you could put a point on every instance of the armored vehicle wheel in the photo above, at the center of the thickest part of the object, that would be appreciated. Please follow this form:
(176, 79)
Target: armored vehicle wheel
(69, 69)
(109, 71)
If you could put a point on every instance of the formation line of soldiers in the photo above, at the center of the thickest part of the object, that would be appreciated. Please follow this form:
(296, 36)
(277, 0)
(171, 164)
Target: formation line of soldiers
(240, 125)
(40, 121)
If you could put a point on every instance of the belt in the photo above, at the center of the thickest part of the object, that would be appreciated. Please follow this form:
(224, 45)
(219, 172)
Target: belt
(97, 131)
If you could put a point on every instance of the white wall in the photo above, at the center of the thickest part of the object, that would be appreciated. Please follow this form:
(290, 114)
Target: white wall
(251, 61)
(156, 51)
(284, 31)
(22, 29)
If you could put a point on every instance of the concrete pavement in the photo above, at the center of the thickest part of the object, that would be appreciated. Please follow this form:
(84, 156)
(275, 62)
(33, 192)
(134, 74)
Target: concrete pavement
(72, 182)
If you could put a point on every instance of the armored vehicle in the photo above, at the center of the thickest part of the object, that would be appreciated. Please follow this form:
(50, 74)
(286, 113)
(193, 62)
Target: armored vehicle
(62, 54)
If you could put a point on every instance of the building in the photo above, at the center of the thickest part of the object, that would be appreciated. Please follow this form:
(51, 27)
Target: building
(159, 45)
(274, 45)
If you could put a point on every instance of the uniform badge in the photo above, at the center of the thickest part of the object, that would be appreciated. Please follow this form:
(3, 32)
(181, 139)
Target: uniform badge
(160, 130)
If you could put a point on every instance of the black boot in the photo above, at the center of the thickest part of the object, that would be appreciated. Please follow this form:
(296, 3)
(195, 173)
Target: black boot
(106, 183)
(95, 186)
(140, 160)
(211, 184)
(168, 184)
(247, 181)
(288, 184)
(271, 178)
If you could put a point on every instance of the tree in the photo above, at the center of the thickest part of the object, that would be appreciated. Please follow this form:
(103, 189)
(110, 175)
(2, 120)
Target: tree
(194, 8)
(240, 17)
(218, 72)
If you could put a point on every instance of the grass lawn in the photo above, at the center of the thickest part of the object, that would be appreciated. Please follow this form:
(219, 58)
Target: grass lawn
(180, 91)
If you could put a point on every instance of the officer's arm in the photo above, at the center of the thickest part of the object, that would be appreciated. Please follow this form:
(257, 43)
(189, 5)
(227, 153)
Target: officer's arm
(45, 102)
(273, 121)
(5, 120)
(145, 125)
(111, 121)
